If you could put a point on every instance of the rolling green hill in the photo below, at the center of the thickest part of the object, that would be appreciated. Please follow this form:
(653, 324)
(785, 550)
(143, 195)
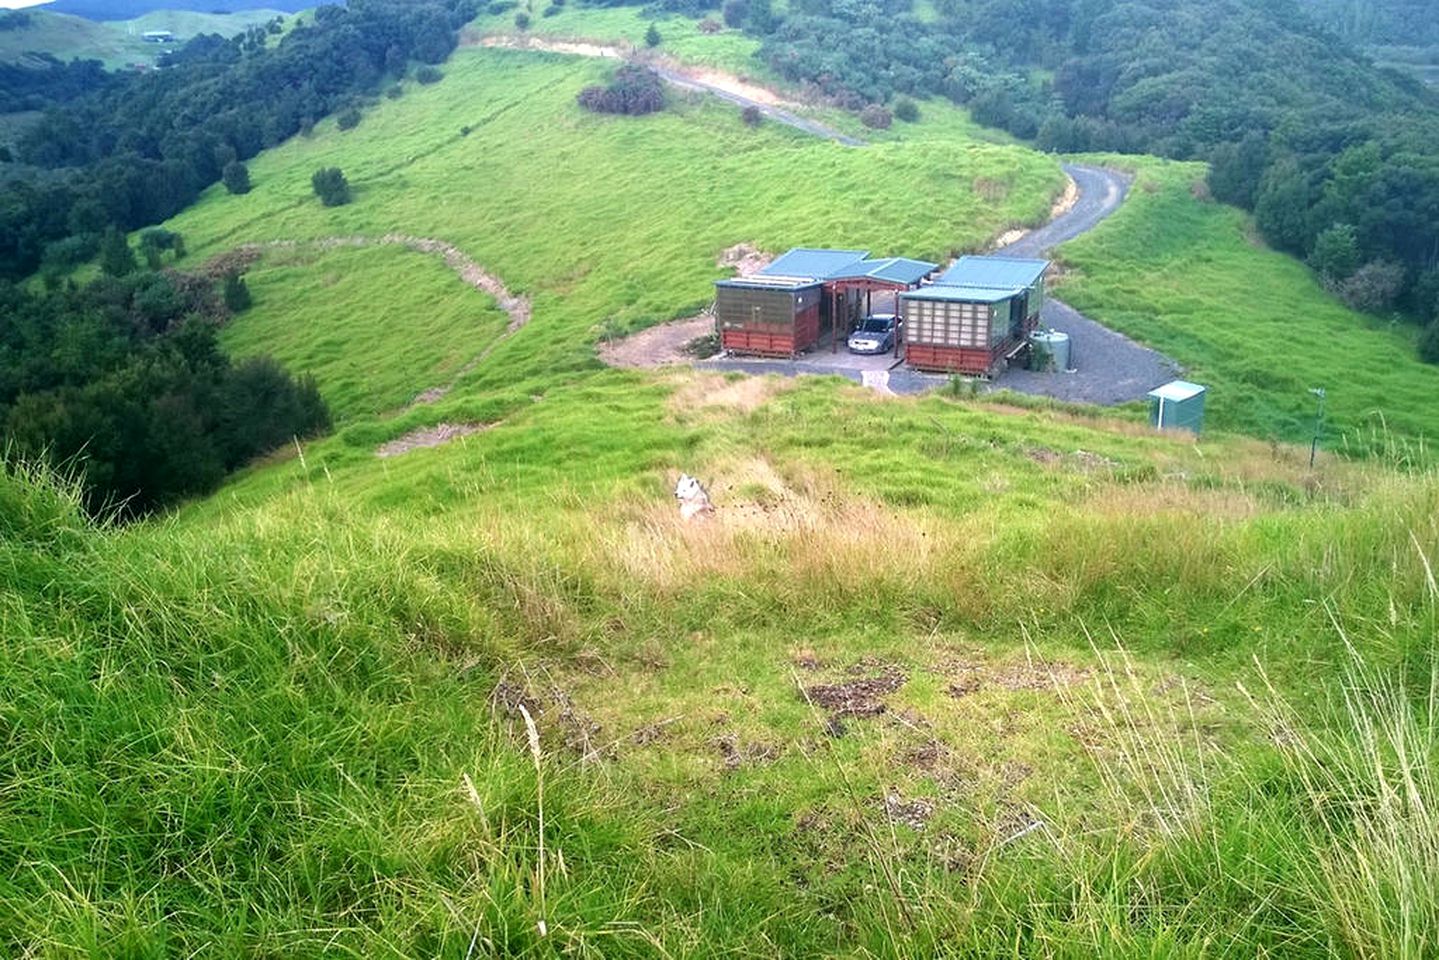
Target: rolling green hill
(117, 43)
(941, 676)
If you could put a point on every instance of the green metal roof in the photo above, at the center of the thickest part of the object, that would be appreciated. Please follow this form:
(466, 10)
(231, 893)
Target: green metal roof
(962, 294)
(897, 270)
(815, 263)
(1008, 272)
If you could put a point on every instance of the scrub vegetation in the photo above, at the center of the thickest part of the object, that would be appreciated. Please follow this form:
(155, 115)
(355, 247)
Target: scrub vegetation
(941, 676)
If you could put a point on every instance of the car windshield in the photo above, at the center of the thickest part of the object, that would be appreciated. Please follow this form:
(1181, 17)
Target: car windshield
(876, 325)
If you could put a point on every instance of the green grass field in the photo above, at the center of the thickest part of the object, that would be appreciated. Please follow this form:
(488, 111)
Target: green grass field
(1189, 277)
(373, 343)
(941, 677)
(118, 43)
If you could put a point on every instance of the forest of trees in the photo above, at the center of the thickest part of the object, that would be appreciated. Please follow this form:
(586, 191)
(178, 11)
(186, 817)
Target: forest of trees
(1379, 22)
(122, 380)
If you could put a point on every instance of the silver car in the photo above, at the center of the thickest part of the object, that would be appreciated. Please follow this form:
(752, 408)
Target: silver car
(874, 335)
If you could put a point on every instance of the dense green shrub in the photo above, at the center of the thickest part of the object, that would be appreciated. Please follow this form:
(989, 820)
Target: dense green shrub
(1336, 253)
(428, 75)
(236, 293)
(116, 257)
(906, 109)
(331, 186)
(634, 90)
(1429, 343)
(236, 177)
(348, 120)
(875, 117)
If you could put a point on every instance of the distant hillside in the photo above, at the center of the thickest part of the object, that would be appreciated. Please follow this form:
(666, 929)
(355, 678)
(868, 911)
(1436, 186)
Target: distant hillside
(116, 43)
(107, 10)
(1400, 23)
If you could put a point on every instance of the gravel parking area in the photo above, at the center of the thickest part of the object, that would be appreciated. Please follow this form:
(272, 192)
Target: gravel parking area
(1110, 368)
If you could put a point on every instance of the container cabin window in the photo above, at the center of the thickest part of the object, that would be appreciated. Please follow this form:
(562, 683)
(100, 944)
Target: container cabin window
(950, 324)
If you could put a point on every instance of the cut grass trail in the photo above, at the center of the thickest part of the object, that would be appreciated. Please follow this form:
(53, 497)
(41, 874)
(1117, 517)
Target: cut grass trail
(372, 342)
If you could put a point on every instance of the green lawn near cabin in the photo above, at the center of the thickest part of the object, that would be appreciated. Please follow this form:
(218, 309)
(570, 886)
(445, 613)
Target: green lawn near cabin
(373, 342)
(1188, 277)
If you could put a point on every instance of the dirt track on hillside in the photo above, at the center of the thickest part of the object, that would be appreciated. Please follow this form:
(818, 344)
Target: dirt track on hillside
(726, 86)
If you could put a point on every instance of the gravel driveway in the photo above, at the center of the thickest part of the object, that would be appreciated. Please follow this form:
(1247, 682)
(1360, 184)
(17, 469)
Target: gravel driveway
(1110, 367)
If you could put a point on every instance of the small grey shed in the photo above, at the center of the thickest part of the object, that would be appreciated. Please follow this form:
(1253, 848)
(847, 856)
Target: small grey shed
(1178, 405)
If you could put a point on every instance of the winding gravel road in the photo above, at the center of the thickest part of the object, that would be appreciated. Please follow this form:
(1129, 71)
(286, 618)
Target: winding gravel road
(1109, 367)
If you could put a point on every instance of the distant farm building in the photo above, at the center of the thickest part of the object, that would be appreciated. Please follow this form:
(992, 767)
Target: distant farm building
(975, 316)
(805, 296)
(158, 36)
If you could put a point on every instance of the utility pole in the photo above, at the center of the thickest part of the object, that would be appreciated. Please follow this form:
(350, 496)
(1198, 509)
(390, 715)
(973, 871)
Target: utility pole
(1318, 424)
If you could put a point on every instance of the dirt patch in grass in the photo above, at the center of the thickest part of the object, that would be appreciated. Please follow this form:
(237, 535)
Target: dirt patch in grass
(745, 259)
(714, 392)
(428, 437)
(863, 697)
(913, 813)
(969, 676)
(737, 753)
(672, 343)
(657, 346)
(1066, 200)
(574, 48)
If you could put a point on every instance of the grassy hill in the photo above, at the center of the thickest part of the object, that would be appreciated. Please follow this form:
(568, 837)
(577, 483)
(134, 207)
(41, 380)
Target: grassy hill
(117, 43)
(941, 677)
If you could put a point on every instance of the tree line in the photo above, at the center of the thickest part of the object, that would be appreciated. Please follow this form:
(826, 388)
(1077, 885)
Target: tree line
(122, 380)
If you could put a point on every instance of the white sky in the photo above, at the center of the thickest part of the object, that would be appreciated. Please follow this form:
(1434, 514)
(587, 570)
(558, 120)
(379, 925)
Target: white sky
(16, 4)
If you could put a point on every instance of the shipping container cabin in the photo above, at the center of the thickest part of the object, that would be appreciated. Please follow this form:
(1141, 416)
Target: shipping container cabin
(768, 316)
(968, 330)
(977, 315)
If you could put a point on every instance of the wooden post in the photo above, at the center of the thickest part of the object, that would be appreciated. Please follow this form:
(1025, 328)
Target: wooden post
(898, 321)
